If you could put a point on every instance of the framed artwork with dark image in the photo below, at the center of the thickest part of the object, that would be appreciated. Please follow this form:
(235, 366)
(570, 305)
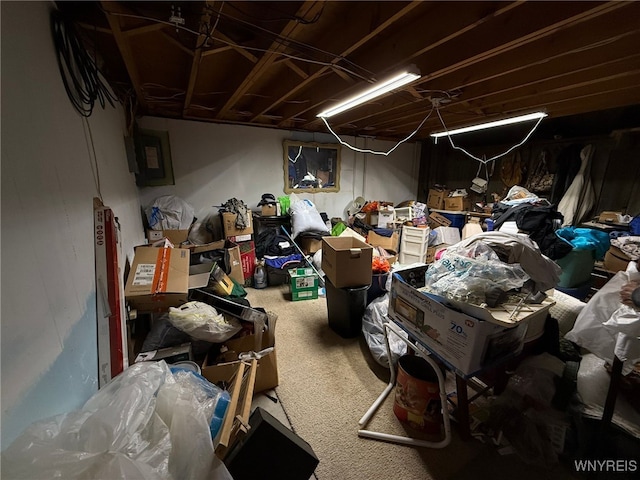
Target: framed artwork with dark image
(153, 156)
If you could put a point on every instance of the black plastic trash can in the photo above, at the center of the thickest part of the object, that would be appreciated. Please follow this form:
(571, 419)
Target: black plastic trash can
(345, 308)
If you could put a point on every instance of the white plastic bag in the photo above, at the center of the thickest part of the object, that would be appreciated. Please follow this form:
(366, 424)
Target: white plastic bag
(372, 321)
(202, 321)
(187, 404)
(169, 212)
(306, 218)
(118, 433)
(606, 327)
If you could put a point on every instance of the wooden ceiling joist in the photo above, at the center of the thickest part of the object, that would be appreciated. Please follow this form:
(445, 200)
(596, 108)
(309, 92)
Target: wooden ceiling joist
(125, 50)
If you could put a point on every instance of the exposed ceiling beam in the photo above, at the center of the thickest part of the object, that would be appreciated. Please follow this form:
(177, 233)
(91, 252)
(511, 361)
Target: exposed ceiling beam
(205, 19)
(152, 27)
(242, 51)
(362, 41)
(471, 68)
(125, 49)
(309, 8)
(175, 42)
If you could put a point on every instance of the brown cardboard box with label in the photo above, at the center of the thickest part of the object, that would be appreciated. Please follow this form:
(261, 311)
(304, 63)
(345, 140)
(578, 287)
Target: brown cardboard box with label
(159, 279)
(177, 237)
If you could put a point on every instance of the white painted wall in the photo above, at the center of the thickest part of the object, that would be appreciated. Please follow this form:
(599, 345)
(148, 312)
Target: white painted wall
(49, 353)
(213, 163)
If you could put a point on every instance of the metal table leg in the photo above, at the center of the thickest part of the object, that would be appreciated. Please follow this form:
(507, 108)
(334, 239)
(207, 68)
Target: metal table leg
(376, 404)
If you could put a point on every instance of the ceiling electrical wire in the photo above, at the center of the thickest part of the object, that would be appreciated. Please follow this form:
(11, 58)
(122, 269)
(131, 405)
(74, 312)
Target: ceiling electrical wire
(355, 149)
(78, 69)
(495, 157)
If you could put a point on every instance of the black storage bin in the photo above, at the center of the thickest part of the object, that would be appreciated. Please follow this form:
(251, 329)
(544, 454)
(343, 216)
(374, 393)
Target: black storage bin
(345, 308)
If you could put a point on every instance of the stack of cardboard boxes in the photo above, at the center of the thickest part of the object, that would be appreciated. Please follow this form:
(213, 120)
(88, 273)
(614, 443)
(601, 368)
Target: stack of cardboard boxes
(244, 239)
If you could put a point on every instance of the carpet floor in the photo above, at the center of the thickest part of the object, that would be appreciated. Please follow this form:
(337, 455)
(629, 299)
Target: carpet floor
(327, 383)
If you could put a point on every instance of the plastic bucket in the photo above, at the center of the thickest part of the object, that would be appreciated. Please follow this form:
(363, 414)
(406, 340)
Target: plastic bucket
(417, 399)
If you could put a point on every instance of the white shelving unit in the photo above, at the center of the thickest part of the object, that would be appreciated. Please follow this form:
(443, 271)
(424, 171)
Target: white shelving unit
(413, 245)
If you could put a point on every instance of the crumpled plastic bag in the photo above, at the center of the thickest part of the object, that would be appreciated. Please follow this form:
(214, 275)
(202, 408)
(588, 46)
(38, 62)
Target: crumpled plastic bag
(606, 327)
(118, 433)
(203, 322)
(305, 217)
(372, 327)
(169, 212)
(467, 274)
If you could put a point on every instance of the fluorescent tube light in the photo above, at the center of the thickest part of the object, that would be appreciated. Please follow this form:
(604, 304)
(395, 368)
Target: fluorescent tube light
(497, 123)
(373, 92)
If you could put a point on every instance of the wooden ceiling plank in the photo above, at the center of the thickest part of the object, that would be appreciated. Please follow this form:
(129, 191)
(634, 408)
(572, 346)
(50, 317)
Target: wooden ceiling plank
(297, 70)
(586, 75)
(537, 53)
(245, 53)
(470, 23)
(152, 27)
(322, 71)
(125, 50)
(205, 22)
(215, 51)
(564, 24)
(565, 93)
(620, 81)
(94, 28)
(308, 8)
(176, 43)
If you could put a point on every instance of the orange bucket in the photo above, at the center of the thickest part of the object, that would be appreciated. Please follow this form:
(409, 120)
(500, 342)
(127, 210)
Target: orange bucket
(417, 400)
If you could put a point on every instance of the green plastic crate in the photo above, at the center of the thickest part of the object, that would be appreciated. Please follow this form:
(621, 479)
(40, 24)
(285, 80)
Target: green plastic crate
(304, 284)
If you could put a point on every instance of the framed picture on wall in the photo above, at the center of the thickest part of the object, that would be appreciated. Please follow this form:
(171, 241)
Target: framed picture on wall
(153, 155)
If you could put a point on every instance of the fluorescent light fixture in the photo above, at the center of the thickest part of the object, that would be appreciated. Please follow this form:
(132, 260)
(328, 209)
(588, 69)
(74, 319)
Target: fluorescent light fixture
(373, 92)
(497, 123)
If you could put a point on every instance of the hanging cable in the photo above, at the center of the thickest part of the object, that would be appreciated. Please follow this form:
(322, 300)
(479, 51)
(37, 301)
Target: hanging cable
(495, 157)
(80, 74)
(355, 149)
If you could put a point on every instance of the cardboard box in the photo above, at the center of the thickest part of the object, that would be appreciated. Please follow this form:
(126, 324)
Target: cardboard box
(309, 245)
(436, 220)
(178, 353)
(455, 204)
(267, 375)
(159, 279)
(269, 210)
(436, 198)
(240, 238)
(176, 237)
(611, 217)
(465, 343)
(386, 217)
(199, 275)
(232, 256)
(346, 261)
(432, 251)
(615, 260)
(304, 284)
(229, 225)
(388, 243)
(248, 261)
